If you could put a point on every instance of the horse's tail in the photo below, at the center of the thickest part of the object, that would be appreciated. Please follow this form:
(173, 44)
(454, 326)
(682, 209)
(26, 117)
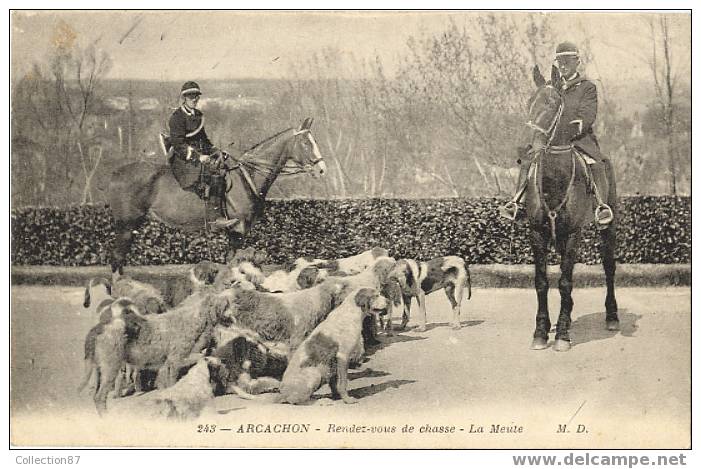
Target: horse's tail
(91, 283)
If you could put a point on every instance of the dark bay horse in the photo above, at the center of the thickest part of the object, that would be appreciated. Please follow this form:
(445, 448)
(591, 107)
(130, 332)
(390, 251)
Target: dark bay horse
(559, 203)
(138, 190)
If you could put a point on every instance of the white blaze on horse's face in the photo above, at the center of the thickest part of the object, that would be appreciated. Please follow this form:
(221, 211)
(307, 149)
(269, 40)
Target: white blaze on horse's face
(312, 159)
(319, 168)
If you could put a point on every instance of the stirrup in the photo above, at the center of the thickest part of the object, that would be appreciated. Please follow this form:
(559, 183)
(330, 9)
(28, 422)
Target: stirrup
(510, 210)
(223, 223)
(603, 215)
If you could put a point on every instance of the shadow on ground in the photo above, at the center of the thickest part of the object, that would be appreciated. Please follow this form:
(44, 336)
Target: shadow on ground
(463, 324)
(385, 341)
(592, 327)
(367, 373)
(372, 389)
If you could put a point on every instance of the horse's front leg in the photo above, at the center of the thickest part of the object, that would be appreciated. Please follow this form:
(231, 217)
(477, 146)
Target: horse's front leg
(123, 240)
(235, 243)
(608, 251)
(567, 247)
(539, 243)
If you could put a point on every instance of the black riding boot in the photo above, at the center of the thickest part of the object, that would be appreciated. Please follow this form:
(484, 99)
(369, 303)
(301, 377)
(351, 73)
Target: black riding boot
(217, 192)
(603, 214)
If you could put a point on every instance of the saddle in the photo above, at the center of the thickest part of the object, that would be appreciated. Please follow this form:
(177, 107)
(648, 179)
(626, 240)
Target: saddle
(596, 177)
(199, 178)
(583, 159)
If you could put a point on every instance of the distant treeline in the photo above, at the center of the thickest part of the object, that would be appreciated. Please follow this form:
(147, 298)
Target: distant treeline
(445, 125)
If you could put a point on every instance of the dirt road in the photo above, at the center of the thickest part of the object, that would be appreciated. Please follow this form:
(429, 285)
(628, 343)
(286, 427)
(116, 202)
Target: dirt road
(479, 387)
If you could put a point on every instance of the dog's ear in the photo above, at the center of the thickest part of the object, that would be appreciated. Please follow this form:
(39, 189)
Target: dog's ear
(408, 277)
(206, 272)
(382, 268)
(131, 315)
(412, 272)
(322, 275)
(105, 303)
(392, 290)
(105, 310)
(307, 277)
(212, 272)
(364, 298)
(339, 290)
(260, 258)
(154, 306)
(218, 304)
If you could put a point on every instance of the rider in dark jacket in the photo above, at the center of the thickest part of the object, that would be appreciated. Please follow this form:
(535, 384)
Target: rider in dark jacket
(576, 122)
(191, 148)
(186, 125)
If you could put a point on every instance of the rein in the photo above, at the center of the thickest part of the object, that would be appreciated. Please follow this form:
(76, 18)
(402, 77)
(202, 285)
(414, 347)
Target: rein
(247, 164)
(552, 213)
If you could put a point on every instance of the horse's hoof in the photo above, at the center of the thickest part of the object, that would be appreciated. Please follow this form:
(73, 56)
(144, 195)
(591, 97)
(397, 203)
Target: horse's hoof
(613, 325)
(539, 343)
(562, 345)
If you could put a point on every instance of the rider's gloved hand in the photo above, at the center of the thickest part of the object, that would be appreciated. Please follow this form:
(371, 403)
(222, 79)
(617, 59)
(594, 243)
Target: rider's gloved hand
(539, 142)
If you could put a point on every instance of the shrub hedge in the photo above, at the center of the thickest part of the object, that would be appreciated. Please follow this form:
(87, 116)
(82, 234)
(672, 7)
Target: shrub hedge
(651, 230)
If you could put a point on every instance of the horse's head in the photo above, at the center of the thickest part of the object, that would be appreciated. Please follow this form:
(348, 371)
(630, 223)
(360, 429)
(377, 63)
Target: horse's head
(545, 105)
(304, 152)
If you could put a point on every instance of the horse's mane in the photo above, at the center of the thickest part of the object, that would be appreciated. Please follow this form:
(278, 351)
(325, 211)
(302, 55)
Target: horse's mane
(265, 143)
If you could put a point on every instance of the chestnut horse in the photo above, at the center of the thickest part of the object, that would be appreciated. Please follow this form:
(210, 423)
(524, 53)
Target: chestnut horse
(138, 190)
(560, 201)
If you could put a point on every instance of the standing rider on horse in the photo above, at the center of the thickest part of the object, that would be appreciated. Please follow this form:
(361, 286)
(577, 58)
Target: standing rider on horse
(191, 152)
(578, 115)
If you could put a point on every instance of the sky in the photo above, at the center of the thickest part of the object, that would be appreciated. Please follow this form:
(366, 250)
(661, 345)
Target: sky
(180, 45)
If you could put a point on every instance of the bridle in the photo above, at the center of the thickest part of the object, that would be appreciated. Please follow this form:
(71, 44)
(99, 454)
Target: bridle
(553, 213)
(248, 163)
(550, 149)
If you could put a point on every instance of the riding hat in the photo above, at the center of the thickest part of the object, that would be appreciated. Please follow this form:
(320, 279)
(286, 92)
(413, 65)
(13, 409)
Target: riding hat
(566, 49)
(190, 87)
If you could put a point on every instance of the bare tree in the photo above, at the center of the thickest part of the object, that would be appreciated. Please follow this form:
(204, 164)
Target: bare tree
(345, 97)
(53, 109)
(665, 81)
(477, 78)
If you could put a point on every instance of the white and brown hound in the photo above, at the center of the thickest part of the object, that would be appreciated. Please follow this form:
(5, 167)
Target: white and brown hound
(323, 356)
(347, 265)
(418, 279)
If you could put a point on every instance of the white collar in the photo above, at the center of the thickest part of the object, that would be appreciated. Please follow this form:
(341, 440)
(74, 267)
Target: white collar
(186, 110)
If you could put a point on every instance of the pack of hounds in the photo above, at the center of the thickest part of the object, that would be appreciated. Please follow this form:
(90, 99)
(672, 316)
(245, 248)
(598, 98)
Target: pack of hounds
(238, 328)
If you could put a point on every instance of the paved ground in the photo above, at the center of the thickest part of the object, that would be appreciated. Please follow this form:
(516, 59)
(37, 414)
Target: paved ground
(625, 389)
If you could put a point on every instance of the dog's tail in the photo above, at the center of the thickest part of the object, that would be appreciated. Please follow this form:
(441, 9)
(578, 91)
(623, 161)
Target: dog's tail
(469, 281)
(91, 283)
(89, 368)
(267, 398)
